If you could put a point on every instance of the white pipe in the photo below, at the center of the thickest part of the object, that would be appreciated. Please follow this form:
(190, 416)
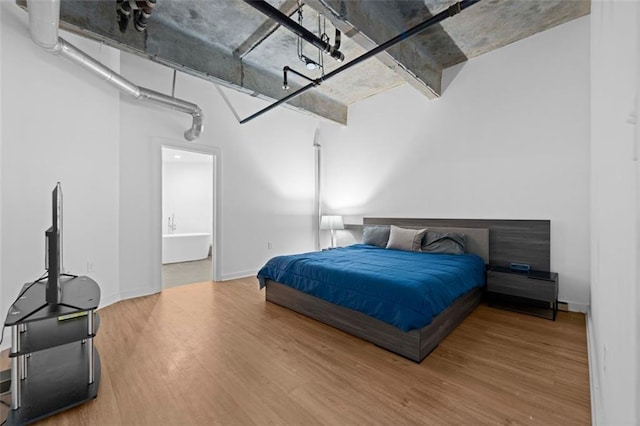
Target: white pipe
(317, 149)
(77, 56)
(44, 17)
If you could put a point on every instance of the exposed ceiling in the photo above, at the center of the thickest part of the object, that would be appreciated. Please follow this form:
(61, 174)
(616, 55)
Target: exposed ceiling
(230, 42)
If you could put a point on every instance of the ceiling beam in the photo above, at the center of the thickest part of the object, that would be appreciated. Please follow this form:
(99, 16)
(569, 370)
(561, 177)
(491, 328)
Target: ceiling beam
(264, 30)
(212, 63)
(165, 43)
(364, 22)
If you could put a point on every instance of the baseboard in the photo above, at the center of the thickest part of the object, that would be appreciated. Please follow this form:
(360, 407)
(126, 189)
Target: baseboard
(240, 274)
(594, 381)
(574, 307)
(106, 300)
(578, 307)
(139, 292)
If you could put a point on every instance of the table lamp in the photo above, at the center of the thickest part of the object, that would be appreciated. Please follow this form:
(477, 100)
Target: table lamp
(331, 222)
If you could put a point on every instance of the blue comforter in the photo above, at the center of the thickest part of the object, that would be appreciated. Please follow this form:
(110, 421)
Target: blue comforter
(402, 288)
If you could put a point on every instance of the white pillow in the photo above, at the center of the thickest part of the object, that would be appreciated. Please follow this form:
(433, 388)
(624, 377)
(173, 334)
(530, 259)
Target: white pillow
(405, 239)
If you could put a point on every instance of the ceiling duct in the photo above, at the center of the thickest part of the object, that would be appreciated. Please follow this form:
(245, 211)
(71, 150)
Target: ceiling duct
(44, 16)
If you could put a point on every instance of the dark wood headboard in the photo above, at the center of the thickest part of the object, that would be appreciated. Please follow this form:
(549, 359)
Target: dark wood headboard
(523, 241)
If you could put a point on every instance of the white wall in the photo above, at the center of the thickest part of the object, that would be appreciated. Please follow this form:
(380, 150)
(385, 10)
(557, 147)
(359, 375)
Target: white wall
(187, 193)
(1, 282)
(267, 176)
(613, 328)
(58, 124)
(508, 140)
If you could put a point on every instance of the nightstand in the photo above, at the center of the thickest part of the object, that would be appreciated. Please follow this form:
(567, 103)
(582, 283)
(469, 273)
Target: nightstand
(533, 292)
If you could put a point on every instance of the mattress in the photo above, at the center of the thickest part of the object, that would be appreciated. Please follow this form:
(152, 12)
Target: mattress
(402, 288)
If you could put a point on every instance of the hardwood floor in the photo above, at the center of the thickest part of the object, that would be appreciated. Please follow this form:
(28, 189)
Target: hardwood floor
(217, 353)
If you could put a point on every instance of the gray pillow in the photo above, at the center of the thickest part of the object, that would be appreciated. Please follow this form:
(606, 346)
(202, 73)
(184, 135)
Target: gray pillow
(376, 235)
(444, 242)
(405, 239)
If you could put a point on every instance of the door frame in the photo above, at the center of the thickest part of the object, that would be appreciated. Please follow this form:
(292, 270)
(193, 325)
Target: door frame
(216, 152)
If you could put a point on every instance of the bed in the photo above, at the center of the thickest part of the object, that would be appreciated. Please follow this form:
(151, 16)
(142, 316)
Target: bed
(363, 304)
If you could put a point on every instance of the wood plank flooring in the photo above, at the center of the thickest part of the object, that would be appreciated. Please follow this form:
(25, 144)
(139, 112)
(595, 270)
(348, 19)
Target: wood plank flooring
(217, 353)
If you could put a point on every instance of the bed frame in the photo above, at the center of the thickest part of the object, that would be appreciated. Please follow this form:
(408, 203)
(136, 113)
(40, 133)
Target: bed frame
(526, 241)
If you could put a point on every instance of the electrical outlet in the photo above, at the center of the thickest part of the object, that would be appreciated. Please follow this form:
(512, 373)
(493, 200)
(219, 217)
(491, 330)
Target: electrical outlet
(89, 267)
(269, 245)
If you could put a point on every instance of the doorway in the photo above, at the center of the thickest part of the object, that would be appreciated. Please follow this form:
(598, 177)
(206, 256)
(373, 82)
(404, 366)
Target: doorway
(188, 206)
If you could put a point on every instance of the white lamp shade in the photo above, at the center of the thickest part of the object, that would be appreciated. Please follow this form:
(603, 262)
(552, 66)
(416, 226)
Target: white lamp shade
(331, 222)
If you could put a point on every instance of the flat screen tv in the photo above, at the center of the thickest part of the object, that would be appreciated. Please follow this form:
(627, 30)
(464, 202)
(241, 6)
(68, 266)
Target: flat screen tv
(53, 260)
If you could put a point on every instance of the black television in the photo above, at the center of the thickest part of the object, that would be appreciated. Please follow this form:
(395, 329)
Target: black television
(53, 260)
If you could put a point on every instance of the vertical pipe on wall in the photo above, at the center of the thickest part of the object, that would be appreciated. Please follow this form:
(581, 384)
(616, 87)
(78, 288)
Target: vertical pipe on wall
(637, 192)
(317, 148)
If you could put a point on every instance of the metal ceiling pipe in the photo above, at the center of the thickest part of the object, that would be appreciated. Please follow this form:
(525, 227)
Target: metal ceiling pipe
(44, 17)
(296, 28)
(447, 13)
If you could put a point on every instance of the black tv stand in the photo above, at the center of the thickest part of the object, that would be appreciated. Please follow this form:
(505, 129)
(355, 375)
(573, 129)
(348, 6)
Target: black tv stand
(53, 343)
